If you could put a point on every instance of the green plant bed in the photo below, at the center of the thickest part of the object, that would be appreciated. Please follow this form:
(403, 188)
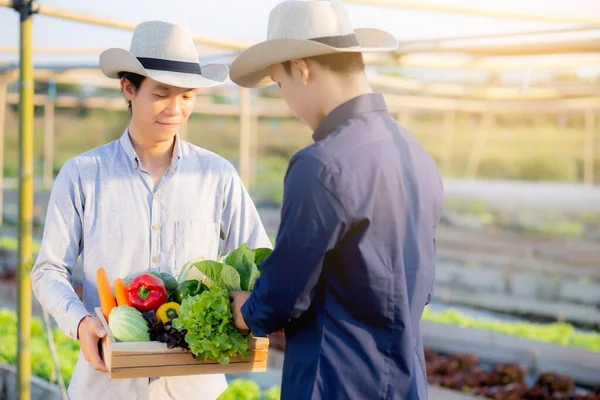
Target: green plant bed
(560, 333)
(246, 389)
(12, 244)
(41, 358)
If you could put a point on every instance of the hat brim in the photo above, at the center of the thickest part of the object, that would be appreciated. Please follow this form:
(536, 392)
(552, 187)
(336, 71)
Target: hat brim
(250, 68)
(113, 61)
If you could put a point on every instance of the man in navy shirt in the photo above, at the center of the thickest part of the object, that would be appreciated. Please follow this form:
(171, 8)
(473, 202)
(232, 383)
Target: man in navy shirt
(354, 260)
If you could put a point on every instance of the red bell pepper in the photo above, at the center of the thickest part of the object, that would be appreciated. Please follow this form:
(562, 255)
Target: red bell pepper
(146, 292)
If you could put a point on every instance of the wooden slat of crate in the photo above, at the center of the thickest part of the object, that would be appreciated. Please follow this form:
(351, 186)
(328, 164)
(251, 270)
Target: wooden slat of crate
(178, 370)
(154, 359)
(123, 348)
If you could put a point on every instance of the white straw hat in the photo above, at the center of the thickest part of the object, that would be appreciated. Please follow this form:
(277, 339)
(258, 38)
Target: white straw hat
(300, 29)
(166, 53)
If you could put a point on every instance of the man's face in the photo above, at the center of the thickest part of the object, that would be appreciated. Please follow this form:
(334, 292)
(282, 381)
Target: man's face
(297, 90)
(159, 110)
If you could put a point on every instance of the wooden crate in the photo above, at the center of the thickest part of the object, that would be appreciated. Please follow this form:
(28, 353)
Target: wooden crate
(155, 359)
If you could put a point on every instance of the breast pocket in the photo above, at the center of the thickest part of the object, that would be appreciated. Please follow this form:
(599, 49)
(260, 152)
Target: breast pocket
(193, 239)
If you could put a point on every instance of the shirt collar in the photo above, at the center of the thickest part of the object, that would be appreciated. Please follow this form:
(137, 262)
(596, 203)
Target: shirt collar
(127, 146)
(361, 104)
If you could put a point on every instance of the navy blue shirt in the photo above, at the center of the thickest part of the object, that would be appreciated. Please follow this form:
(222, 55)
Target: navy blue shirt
(354, 260)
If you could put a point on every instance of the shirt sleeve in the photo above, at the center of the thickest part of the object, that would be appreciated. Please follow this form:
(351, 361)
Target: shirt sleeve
(51, 274)
(313, 220)
(240, 221)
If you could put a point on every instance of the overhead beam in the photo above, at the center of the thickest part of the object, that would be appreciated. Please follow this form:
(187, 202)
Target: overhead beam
(399, 85)
(76, 16)
(516, 49)
(481, 12)
(269, 107)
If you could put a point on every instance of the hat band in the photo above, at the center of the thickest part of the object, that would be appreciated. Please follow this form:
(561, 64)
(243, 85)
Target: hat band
(170, 65)
(341, 42)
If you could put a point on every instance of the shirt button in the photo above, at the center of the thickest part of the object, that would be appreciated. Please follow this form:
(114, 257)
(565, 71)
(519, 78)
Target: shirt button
(155, 227)
(156, 196)
(154, 259)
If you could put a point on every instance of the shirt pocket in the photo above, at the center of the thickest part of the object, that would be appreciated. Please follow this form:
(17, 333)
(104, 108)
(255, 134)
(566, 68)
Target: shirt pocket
(193, 239)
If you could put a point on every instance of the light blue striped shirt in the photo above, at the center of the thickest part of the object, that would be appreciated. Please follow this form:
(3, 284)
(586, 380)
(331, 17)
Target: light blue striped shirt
(104, 208)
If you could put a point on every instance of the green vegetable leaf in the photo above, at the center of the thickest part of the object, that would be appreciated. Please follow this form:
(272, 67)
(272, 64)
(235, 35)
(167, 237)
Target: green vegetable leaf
(261, 254)
(254, 274)
(209, 324)
(231, 277)
(240, 256)
(212, 270)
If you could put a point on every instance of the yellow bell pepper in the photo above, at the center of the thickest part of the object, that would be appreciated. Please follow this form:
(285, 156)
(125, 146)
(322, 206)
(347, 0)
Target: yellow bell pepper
(164, 312)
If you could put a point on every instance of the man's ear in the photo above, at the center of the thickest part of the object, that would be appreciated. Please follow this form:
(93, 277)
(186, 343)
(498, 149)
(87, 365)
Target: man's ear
(128, 89)
(303, 70)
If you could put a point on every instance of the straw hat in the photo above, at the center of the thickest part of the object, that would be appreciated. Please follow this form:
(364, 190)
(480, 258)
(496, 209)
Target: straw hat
(166, 53)
(300, 29)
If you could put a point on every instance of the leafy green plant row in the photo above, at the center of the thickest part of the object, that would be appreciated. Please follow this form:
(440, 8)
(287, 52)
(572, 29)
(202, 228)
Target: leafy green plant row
(41, 358)
(560, 333)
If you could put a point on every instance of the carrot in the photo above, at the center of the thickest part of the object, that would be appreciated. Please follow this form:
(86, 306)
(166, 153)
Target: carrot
(107, 300)
(121, 292)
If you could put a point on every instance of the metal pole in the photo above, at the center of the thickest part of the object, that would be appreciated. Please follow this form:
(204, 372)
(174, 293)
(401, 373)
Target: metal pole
(49, 126)
(25, 8)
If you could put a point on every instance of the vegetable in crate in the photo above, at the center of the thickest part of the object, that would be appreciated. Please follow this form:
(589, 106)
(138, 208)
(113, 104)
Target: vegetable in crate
(128, 325)
(146, 292)
(167, 312)
(165, 333)
(168, 279)
(209, 324)
(105, 293)
(121, 292)
(188, 288)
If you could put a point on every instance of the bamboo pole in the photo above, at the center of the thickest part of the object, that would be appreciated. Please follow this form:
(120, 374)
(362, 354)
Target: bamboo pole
(398, 104)
(51, 11)
(49, 128)
(589, 147)
(479, 145)
(436, 62)
(25, 200)
(245, 135)
(424, 6)
(3, 105)
(573, 46)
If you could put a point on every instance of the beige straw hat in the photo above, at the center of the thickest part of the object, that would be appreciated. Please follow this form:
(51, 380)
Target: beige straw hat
(166, 53)
(300, 29)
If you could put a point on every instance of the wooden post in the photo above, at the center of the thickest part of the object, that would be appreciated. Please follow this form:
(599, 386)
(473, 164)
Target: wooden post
(588, 148)
(245, 135)
(3, 104)
(479, 145)
(49, 126)
(254, 131)
(449, 126)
